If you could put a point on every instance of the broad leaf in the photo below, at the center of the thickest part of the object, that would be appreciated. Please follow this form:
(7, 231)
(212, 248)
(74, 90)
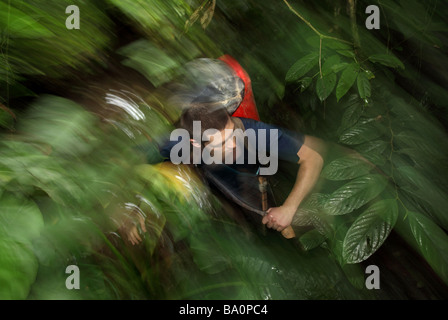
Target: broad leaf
(387, 60)
(312, 239)
(354, 194)
(351, 115)
(414, 182)
(18, 269)
(325, 86)
(347, 79)
(329, 63)
(362, 132)
(346, 168)
(363, 85)
(432, 242)
(369, 231)
(302, 66)
(373, 151)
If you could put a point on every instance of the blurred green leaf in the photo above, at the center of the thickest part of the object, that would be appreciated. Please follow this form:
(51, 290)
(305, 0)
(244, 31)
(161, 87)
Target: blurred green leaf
(369, 231)
(149, 60)
(20, 220)
(361, 132)
(432, 242)
(346, 168)
(373, 151)
(301, 67)
(18, 269)
(311, 239)
(354, 194)
(18, 24)
(387, 60)
(329, 64)
(363, 85)
(325, 86)
(347, 80)
(62, 124)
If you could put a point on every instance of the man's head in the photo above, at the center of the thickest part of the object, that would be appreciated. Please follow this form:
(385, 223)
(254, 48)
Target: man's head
(214, 129)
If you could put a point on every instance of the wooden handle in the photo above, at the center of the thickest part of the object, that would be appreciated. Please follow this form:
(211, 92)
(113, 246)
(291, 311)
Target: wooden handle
(288, 232)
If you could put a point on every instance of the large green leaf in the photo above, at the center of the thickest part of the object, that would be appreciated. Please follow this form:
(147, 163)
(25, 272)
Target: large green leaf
(325, 86)
(373, 151)
(363, 85)
(346, 168)
(369, 231)
(432, 242)
(62, 124)
(18, 269)
(329, 64)
(19, 24)
(361, 132)
(347, 79)
(354, 194)
(311, 239)
(20, 220)
(388, 60)
(301, 67)
(414, 182)
(351, 115)
(20, 223)
(149, 60)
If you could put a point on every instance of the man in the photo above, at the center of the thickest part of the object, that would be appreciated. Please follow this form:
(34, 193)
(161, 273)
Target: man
(308, 152)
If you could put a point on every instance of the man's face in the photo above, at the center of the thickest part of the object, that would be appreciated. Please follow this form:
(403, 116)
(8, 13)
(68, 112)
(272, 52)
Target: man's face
(224, 141)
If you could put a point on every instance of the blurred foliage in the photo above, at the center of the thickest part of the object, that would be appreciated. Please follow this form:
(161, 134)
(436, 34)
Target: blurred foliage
(74, 181)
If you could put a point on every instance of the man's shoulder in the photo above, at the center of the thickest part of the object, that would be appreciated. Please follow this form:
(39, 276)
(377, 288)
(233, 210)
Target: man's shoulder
(254, 124)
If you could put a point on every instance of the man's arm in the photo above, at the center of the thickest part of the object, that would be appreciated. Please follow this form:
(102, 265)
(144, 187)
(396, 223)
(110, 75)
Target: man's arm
(311, 161)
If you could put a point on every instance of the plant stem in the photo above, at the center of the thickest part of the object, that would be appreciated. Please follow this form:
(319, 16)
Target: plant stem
(321, 36)
(354, 26)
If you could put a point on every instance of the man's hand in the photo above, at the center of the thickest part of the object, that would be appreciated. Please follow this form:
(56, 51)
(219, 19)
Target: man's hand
(311, 161)
(133, 234)
(278, 218)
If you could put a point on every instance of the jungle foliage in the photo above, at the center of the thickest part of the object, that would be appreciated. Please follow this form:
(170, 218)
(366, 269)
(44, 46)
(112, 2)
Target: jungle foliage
(73, 179)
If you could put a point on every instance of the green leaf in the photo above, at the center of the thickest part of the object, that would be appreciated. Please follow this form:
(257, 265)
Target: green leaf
(387, 60)
(339, 67)
(20, 24)
(305, 83)
(329, 63)
(414, 182)
(336, 45)
(206, 256)
(362, 132)
(351, 115)
(432, 242)
(312, 239)
(354, 194)
(345, 168)
(373, 151)
(346, 53)
(347, 80)
(61, 123)
(150, 61)
(325, 86)
(302, 66)
(369, 231)
(18, 269)
(20, 220)
(363, 85)
(409, 138)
